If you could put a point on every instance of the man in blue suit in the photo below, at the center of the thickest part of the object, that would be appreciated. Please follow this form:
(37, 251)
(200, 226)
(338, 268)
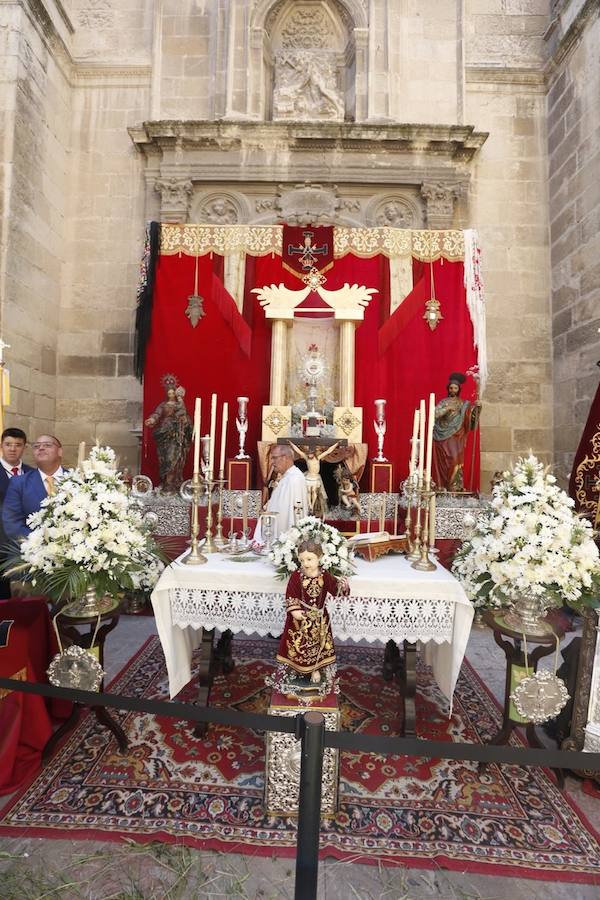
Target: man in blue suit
(25, 494)
(12, 447)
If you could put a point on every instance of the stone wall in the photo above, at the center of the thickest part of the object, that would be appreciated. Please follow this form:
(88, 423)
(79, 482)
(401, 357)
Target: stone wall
(505, 93)
(35, 121)
(574, 186)
(478, 64)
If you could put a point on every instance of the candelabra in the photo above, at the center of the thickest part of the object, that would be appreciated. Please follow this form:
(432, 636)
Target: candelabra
(414, 496)
(423, 563)
(192, 491)
(210, 544)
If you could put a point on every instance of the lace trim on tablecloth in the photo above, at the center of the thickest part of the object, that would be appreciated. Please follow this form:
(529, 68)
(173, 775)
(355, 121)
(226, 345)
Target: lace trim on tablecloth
(352, 618)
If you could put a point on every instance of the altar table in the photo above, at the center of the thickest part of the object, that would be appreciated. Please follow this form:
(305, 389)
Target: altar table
(389, 600)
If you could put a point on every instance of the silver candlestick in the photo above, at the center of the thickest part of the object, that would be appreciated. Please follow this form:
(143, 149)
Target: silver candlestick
(379, 425)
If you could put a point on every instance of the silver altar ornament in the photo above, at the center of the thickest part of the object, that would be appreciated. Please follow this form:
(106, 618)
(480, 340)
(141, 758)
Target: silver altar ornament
(76, 668)
(267, 530)
(241, 424)
(141, 486)
(379, 425)
(540, 697)
(151, 519)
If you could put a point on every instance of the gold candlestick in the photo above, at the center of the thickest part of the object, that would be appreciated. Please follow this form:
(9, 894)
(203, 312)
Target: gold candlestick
(220, 541)
(415, 553)
(194, 557)
(423, 563)
(210, 545)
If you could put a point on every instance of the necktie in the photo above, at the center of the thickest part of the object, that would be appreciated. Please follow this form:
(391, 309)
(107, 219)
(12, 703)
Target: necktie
(15, 470)
(50, 485)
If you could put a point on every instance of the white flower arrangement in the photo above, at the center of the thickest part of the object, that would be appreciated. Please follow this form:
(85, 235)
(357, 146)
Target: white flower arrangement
(87, 535)
(337, 557)
(532, 543)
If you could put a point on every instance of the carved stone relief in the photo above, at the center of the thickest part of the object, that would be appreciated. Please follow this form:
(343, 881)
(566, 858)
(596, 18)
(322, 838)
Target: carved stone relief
(303, 204)
(306, 86)
(439, 199)
(306, 27)
(96, 14)
(219, 211)
(309, 12)
(175, 197)
(395, 211)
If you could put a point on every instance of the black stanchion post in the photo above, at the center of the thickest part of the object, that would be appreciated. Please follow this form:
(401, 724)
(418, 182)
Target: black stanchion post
(312, 729)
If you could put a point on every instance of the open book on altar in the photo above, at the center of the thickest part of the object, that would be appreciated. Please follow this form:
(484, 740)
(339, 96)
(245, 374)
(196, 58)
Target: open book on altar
(370, 537)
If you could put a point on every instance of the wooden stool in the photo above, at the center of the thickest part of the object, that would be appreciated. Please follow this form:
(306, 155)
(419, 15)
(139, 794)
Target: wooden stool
(515, 672)
(69, 634)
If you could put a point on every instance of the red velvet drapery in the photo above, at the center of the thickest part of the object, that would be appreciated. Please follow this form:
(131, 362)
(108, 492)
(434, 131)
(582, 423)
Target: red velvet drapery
(398, 357)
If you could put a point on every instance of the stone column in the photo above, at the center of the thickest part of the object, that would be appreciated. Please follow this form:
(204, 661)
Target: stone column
(346, 364)
(278, 362)
(361, 67)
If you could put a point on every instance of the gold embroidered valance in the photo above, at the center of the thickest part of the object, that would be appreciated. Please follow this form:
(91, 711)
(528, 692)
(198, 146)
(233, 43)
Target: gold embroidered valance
(262, 240)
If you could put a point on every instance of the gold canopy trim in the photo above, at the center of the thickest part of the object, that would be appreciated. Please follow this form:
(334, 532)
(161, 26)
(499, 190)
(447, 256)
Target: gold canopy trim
(262, 240)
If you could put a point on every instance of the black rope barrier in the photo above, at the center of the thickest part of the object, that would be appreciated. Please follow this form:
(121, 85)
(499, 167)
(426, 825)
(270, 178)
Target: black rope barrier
(341, 740)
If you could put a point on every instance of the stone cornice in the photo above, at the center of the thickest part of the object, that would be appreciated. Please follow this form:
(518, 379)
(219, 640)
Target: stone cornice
(561, 44)
(535, 78)
(407, 146)
(109, 75)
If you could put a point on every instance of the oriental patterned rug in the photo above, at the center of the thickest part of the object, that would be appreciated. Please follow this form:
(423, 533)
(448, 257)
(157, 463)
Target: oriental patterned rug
(208, 792)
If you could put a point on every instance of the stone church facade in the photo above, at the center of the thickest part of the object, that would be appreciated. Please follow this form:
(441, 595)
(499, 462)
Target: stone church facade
(412, 113)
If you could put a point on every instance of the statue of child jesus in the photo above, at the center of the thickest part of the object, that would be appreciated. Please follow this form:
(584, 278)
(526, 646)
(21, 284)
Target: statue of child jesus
(306, 644)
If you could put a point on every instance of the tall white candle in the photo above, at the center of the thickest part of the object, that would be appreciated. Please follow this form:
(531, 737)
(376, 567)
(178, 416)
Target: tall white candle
(413, 443)
(197, 436)
(80, 454)
(421, 437)
(430, 421)
(213, 433)
(223, 439)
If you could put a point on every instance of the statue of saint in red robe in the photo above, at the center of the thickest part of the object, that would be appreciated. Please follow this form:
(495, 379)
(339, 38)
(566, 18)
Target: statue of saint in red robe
(454, 418)
(306, 644)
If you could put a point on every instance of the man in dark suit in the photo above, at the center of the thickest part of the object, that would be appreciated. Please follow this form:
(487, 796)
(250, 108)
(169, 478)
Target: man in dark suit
(25, 494)
(12, 447)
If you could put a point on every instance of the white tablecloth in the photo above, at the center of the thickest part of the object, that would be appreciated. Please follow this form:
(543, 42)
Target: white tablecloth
(388, 600)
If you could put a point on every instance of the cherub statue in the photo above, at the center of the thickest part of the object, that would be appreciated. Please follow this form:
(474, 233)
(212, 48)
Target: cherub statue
(317, 497)
(348, 490)
(306, 645)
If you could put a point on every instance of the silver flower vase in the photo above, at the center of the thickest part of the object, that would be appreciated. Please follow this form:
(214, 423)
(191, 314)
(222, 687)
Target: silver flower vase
(527, 614)
(89, 605)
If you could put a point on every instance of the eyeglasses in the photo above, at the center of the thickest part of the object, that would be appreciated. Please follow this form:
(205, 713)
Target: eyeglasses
(45, 445)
